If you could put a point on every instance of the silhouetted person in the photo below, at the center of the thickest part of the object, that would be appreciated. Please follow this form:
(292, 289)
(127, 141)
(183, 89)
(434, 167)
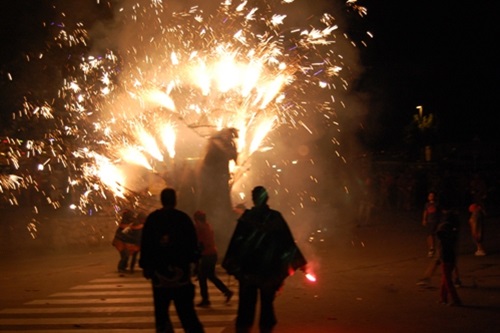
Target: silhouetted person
(122, 237)
(214, 190)
(262, 253)
(447, 235)
(134, 245)
(169, 249)
(476, 221)
(206, 266)
(430, 220)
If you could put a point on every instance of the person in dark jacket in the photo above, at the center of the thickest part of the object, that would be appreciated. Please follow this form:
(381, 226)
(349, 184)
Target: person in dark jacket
(122, 238)
(169, 250)
(134, 244)
(447, 236)
(208, 261)
(261, 254)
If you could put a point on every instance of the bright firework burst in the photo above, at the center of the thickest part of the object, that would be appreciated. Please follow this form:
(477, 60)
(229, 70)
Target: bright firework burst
(132, 110)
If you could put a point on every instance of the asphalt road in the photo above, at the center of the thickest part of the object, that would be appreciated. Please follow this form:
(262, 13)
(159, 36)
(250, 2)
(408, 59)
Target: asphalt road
(366, 281)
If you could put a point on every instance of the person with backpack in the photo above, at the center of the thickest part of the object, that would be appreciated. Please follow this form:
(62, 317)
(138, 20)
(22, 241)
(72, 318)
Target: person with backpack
(261, 254)
(169, 251)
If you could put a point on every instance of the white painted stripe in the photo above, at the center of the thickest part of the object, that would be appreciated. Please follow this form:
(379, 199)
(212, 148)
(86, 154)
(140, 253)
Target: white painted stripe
(94, 309)
(114, 286)
(118, 279)
(107, 309)
(140, 291)
(105, 320)
(102, 293)
(114, 330)
(91, 301)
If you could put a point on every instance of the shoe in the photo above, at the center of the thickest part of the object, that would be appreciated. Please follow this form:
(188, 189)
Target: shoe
(203, 304)
(457, 283)
(480, 253)
(430, 254)
(456, 303)
(229, 294)
(423, 282)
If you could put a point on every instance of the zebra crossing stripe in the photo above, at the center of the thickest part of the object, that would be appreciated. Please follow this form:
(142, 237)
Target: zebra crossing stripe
(102, 293)
(104, 320)
(100, 309)
(107, 303)
(112, 330)
(94, 309)
(114, 286)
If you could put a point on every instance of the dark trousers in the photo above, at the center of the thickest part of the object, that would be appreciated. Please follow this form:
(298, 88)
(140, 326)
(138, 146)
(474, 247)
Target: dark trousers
(183, 298)
(206, 271)
(133, 261)
(447, 286)
(122, 264)
(248, 294)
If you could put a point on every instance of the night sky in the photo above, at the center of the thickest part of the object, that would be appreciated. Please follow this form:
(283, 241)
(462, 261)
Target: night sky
(438, 54)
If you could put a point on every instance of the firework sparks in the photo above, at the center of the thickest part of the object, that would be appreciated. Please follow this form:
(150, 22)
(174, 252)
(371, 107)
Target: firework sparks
(242, 67)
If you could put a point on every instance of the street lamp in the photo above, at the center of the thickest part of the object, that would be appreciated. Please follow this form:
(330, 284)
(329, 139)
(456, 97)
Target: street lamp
(420, 109)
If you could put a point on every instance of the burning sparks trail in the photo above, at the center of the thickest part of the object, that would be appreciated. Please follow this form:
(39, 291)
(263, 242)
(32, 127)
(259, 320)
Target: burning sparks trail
(127, 114)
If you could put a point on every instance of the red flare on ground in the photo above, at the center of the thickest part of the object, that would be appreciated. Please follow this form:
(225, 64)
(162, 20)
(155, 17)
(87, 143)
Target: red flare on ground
(311, 277)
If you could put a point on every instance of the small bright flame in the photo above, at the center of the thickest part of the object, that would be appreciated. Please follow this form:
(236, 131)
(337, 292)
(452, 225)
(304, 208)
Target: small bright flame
(311, 277)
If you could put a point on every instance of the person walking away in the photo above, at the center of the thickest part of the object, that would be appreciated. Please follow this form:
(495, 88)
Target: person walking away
(446, 234)
(121, 239)
(476, 220)
(208, 261)
(261, 254)
(430, 220)
(169, 250)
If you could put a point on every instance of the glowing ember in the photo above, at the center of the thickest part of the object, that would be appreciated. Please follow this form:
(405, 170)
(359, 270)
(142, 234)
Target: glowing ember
(311, 277)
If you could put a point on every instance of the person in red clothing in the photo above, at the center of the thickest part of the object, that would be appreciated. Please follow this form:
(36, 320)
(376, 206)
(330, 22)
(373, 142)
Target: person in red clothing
(208, 260)
(476, 220)
(430, 220)
(133, 245)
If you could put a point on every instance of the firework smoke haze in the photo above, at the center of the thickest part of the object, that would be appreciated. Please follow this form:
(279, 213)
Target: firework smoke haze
(146, 83)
